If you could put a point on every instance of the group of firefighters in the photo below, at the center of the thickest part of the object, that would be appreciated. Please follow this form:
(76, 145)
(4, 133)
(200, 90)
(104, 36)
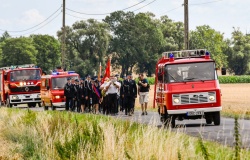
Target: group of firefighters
(109, 97)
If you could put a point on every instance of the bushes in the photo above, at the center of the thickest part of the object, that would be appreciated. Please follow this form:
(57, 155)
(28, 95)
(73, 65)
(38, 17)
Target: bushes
(234, 79)
(222, 79)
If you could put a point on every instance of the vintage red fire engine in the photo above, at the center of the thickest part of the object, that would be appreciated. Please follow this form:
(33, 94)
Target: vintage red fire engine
(20, 85)
(52, 88)
(187, 87)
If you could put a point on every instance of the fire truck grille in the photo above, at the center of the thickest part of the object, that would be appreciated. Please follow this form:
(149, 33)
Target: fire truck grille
(25, 89)
(194, 98)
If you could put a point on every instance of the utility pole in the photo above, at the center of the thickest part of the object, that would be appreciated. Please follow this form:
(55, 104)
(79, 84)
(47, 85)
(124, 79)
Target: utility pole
(63, 36)
(186, 28)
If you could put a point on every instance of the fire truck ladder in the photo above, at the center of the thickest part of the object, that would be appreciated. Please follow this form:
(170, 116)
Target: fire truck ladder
(160, 97)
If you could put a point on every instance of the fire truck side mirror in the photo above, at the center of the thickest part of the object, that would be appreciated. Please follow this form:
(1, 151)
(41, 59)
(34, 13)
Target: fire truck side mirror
(223, 71)
(5, 77)
(48, 87)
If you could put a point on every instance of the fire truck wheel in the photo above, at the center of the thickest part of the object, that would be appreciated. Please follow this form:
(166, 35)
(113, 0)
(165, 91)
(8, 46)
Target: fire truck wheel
(169, 121)
(52, 107)
(39, 104)
(46, 108)
(8, 104)
(216, 117)
(208, 120)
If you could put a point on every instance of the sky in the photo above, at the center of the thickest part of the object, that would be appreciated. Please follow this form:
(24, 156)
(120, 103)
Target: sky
(25, 17)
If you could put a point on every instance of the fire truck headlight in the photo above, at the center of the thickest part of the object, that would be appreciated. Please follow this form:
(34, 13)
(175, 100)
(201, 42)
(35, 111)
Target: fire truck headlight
(211, 98)
(39, 96)
(15, 97)
(24, 83)
(57, 97)
(176, 100)
(21, 83)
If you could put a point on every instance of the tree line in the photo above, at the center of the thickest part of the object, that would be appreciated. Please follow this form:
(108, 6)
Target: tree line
(134, 41)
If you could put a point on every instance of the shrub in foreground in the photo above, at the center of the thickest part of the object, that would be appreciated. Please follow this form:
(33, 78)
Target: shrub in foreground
(64, 135)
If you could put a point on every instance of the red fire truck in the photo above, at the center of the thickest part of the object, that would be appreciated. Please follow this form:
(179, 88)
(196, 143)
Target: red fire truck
(20, 85)
(187, 87)
(52, 88)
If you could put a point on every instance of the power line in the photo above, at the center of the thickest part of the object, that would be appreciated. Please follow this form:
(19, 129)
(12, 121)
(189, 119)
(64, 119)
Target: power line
(190, 4)
(172, 9)
(144, 6)
(205, 2)
(39, 27)
(35, 25)
(106, 13)
(82, 17)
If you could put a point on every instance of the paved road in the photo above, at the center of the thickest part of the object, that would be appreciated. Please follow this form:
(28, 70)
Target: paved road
(223, 134)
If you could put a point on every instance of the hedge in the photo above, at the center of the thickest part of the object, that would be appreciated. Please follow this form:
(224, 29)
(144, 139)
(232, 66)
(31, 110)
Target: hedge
(234, 79)
(222, 79)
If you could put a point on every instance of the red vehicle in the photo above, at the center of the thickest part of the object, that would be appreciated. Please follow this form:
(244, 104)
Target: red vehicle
(187, 87)
(20, 85)
(52, 88)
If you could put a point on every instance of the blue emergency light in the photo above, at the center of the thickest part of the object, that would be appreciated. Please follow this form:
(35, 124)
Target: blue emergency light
(71, 72)
(171, 57)
(207, 55)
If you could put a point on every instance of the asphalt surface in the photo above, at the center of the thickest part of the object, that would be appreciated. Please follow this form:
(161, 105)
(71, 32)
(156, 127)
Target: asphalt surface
(223, 133)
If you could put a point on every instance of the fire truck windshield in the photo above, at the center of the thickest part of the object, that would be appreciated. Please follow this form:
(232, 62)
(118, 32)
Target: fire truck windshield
(20, 75)
(59, 82)
(201, 71)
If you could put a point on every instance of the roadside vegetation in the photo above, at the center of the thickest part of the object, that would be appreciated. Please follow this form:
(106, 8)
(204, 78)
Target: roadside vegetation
(63, 135)
(222, 79)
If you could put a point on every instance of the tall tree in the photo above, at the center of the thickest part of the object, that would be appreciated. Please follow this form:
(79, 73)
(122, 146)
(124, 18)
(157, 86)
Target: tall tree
(5, 36)
(136, 40)
(204, 37)
(17, 51)
(48, 51)
(173, 33)
(121, 26)
(239, 53)
(87, 45)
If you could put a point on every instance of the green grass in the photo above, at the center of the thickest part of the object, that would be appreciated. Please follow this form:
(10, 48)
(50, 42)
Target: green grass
(234, 79)
(65, 135)
(222, 79)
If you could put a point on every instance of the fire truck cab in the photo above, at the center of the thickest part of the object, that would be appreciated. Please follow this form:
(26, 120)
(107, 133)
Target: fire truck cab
(52, 88)
(20, 85)
(187, 87)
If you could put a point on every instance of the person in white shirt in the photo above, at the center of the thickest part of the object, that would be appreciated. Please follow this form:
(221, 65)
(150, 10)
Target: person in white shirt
(112, 88)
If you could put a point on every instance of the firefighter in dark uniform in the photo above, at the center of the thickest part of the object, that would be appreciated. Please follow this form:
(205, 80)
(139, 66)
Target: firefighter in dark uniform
(129, 93)
(74, 100)
(82, 94)
(88, 87)
(69, 93)
(121, 97)
(77, 95)
(96, 95)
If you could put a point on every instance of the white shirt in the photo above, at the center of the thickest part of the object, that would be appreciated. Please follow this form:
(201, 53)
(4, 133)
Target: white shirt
(112, 88)
(104, 84)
